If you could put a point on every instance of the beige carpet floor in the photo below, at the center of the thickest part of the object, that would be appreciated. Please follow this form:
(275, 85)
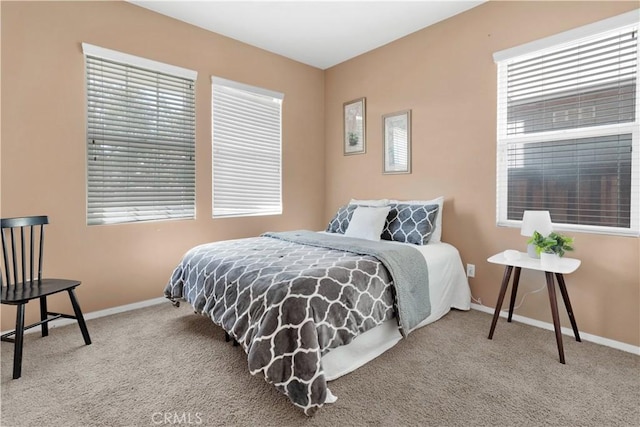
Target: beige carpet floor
(167, 366)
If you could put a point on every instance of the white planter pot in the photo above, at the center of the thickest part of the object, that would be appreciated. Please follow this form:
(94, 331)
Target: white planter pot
(549, 260)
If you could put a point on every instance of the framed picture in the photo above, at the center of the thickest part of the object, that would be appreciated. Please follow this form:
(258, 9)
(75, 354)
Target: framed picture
(396, 132)
(354, 127)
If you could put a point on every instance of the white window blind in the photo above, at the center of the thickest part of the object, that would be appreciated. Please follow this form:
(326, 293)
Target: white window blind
(140, 139)
(246, 135)
(568, 131)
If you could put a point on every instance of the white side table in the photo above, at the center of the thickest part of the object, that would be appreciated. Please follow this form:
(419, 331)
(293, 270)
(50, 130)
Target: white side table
(564, 266)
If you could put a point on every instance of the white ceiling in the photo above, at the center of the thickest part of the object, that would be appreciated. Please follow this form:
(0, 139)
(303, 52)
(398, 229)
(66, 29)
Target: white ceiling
(318, 33)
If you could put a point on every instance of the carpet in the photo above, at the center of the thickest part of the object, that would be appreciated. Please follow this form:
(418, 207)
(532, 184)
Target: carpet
(162, 365)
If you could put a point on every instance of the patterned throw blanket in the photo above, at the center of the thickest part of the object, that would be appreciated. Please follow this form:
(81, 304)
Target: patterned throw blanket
(287, 304)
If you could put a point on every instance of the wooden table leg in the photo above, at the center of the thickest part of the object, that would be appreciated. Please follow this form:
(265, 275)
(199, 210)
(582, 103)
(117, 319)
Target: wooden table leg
(514, 291)
(567, 304)
(503, 290)
(554, 313)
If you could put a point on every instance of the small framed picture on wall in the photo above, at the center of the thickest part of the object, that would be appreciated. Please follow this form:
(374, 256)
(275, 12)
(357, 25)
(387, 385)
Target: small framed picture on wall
(354, 116)
(396, 134)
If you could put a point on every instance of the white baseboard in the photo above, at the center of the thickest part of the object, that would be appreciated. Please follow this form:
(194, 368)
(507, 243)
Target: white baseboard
(526, 320)
(566, 331)
(101, 313)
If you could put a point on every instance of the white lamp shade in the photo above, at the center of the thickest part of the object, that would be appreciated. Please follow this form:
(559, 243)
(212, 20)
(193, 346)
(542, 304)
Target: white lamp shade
(539, 221)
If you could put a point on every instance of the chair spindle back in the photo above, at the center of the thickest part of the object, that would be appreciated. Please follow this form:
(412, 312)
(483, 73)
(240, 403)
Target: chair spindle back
(22, 247)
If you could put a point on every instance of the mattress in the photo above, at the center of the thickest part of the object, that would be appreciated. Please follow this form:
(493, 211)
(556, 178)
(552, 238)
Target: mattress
(448, 288)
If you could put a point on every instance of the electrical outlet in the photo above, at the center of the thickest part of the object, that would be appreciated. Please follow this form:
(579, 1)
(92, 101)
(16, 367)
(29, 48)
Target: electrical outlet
(471, 270)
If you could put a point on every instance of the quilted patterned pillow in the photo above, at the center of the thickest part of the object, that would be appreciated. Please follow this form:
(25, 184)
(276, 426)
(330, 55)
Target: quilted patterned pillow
(410, 223)
(437, 234)
(340, 221)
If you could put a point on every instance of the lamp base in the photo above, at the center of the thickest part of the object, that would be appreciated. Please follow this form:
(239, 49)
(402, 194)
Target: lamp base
(531, 250)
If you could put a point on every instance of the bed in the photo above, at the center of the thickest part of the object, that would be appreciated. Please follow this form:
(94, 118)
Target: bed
(308, 307)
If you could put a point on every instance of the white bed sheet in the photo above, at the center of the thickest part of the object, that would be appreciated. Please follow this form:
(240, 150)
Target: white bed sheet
(448, 288)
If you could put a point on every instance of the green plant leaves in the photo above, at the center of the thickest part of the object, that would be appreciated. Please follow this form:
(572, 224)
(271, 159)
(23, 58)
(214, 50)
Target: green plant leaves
(554, 243)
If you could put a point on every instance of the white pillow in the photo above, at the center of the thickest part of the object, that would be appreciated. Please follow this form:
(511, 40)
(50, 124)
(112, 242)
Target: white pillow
(367, 222)
(377, 202)
(437, 233)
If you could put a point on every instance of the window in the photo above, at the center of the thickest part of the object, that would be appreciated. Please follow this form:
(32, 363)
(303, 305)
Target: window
(246, 135)
(140, 139)
(568, 129)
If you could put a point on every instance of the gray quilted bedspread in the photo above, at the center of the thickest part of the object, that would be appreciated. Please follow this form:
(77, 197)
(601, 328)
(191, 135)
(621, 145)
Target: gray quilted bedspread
(288, 303)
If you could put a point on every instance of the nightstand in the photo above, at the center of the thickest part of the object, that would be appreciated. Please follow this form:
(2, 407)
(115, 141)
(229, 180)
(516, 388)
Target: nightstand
(564, 266)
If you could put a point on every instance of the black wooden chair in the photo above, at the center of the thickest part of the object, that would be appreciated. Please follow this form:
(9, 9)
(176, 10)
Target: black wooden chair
(20, 257)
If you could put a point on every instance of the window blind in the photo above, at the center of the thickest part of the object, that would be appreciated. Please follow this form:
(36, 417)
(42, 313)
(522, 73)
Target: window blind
(140, 143)
(580, 181)
(588, 84)
(568, 133)
(246, 135)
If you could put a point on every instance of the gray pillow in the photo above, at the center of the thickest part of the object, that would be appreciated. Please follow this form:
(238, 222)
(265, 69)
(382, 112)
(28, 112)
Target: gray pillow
(340, 221)
(410, 223)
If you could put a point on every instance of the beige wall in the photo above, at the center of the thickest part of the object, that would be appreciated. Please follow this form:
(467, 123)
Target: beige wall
(447, 76)
(43, 142)
(444, 73)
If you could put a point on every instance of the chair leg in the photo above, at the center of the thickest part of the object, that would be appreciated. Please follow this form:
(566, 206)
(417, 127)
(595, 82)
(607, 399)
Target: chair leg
(17, 351)
(43, 316)
(79, 317)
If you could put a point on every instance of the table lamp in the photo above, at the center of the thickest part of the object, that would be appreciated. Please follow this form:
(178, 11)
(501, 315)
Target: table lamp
(539, 221)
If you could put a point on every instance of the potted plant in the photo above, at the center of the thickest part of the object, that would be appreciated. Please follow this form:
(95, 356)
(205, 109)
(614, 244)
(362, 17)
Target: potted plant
(551, 247)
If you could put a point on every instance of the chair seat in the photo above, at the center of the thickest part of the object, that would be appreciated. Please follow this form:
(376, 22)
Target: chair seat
(30, 290)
